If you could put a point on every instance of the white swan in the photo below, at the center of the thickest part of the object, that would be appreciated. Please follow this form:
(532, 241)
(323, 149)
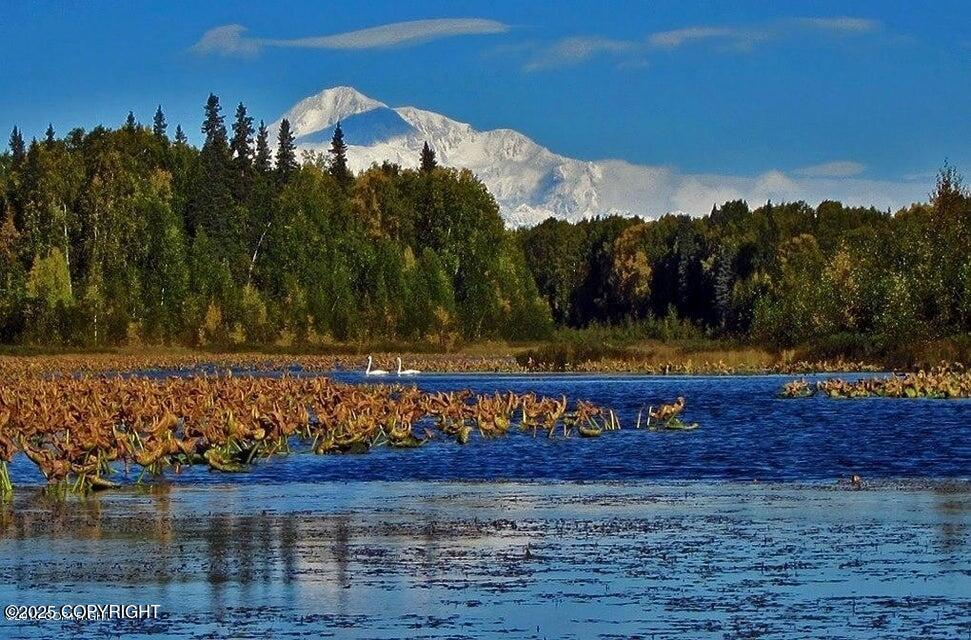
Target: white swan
(374, 372)
(406, 372)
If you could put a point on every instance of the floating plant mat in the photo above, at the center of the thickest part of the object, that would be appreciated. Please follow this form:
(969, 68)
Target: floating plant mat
(80, 431)
(942, 382)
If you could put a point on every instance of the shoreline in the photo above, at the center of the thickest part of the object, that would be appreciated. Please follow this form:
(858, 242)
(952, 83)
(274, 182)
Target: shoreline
(427, 363)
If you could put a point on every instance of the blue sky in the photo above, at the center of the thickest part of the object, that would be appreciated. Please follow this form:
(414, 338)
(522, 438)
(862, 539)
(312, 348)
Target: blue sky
(873, 90)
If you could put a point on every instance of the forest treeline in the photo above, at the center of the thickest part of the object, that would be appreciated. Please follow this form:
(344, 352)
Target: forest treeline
(132, 236)
(845, 280)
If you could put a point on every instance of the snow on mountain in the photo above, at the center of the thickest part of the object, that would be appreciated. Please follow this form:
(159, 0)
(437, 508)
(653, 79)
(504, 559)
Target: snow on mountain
(327, 107)
(530, 182)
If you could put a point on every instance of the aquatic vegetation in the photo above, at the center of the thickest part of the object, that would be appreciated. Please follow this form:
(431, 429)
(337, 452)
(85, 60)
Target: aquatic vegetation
(666, 416)
(646, 364)
(82, 432)
(668, 411)
(797, 389)
(945, 381)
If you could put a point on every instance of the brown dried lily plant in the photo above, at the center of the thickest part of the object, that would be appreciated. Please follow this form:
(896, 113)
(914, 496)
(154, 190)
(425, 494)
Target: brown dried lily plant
(81, 431)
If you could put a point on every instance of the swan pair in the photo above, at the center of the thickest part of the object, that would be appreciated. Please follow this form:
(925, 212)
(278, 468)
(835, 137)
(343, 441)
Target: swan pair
(381, 372)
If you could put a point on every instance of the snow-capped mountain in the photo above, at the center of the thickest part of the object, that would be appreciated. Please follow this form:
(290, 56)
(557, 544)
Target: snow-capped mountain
(530, 182)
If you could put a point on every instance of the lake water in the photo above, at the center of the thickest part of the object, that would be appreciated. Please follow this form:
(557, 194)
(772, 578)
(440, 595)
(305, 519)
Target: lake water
(633, 534)
(746, 433)
(699, 560)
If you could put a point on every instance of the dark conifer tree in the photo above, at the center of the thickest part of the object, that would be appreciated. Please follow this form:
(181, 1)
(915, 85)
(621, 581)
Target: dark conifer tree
(49, 136)
(213, 209)
(130, 123)
(158, 124)
(286, 154)
(428, 162)
(17, 147)
(213, 126)
(263, 157)
(180, 137)
(240, 145)
(338, 158)
(723, 285)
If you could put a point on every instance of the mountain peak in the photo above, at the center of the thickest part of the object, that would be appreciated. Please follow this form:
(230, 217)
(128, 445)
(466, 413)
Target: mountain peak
(528, 181)
(328, 107)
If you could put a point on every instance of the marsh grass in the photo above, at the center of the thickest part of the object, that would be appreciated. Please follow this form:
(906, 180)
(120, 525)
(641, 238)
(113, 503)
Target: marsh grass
(653, 347)
(643, 347)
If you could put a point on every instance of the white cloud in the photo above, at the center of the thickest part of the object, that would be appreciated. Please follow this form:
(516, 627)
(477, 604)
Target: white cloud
(230, 40)
(577, 49)
(651, 191)
(834, 169)
(633, 53)
(842, 24)
(748, 36)
(677, 37)
(227, 40)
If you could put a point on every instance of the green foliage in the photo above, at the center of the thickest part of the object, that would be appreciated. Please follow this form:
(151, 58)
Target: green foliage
(158, 124)
(242, 139)
(17, 148)
(428, 162)
(555, 254)
(114, 236)
(49, 282)
(338, 158)
(286, 155)
(262, 157)
(783, 274)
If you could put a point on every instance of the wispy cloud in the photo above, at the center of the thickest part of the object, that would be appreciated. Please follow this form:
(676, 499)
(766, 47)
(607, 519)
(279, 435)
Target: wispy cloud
(746, 37)
(573, 50)
(842, 24)
(227, 40)
(634, 52)
(834, 169)
(677, 37)
(231, 39)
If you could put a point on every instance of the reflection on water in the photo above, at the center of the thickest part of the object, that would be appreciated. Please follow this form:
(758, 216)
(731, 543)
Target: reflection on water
(389, 560)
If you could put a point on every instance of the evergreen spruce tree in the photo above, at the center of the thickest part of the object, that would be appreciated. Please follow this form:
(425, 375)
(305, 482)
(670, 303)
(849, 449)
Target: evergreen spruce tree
(158, 124)
(214, 127)
(17, 147)
(240, 145)
(130, 123)
(428, 162)
(263, 156)
(49, 136)
(286, 154)
(724, 277)
(338, 158)
(180, 137)
(213, 208)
